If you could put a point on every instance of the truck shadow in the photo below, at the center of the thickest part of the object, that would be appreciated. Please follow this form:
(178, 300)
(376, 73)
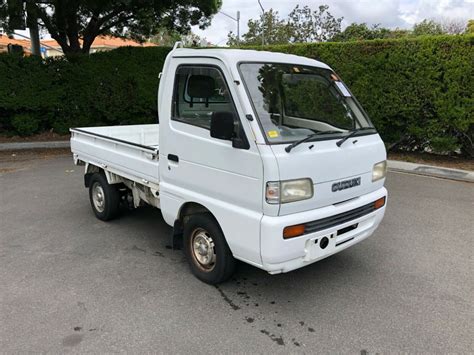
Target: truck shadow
(350, 267)
(288, 309)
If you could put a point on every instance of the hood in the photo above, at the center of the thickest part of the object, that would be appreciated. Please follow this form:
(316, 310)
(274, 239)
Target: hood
(327, 164)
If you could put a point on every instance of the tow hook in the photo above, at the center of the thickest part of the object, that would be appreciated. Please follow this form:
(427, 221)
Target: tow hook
(324, 242)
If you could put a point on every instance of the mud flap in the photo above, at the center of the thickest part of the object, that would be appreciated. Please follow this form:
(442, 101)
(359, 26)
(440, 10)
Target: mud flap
(177, 236)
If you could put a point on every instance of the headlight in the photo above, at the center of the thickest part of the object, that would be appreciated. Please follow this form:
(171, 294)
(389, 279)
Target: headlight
(379, 171)
(289, 191)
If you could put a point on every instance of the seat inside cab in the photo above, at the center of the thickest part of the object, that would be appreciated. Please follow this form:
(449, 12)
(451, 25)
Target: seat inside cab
(200, 92)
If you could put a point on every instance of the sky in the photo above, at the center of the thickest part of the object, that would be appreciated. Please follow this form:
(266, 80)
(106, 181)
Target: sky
(388, 13)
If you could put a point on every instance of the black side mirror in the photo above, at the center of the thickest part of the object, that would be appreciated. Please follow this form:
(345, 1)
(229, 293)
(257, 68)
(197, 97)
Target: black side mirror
(222, 125)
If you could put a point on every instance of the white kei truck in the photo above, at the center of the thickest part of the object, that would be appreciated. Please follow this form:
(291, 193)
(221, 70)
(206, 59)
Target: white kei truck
(263, 157)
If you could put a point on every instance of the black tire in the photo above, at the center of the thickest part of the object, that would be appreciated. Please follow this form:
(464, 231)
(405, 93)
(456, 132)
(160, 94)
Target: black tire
(109, 208)
(202, 227)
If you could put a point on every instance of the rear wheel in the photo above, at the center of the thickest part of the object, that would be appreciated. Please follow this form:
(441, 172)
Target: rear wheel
(104, 198)
(206, 249)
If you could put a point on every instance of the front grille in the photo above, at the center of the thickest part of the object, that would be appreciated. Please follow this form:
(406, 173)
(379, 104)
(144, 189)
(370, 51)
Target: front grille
(340, 218)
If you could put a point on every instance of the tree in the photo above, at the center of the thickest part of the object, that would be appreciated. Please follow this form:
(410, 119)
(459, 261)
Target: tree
(427, 27)
(167, 38)
(470, 27)
(453, 26)
(302, 25)
(313, 26)
(399, 33)
(193, 40)
(449, 26)
(275, 30)
(360, 31)
(75, 24)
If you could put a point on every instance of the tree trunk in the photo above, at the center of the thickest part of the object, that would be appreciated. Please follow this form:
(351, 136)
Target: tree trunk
(64, 28)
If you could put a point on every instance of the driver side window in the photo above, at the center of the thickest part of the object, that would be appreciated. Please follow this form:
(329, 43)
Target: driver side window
(199, 93)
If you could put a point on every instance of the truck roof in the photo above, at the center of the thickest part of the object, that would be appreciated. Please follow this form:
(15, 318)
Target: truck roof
(235, 56)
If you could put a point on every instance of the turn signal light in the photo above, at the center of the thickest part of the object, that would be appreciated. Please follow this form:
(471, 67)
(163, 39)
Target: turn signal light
(379, 203)
(293, 231)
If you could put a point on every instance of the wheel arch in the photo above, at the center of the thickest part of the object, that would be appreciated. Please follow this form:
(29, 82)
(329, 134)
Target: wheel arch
(90, 170)
(187, 209)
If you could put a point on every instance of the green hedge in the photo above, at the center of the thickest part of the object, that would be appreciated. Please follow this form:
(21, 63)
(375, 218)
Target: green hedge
(108, 88)
(418, 92)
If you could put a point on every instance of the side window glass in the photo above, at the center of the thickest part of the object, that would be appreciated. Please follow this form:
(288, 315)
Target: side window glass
(199, 93)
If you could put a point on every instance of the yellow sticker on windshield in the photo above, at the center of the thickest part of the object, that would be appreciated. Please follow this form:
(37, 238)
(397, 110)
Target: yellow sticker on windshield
(273, 134)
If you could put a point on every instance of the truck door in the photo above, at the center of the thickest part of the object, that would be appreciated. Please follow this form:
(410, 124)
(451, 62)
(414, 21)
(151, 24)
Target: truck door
(194, 167)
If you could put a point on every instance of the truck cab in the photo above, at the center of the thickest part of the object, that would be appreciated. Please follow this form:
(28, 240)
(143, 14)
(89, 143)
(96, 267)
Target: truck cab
(263, 157)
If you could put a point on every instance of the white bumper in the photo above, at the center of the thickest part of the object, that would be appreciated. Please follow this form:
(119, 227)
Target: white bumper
(283, 255)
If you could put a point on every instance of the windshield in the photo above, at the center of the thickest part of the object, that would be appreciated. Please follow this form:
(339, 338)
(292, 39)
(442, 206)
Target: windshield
(294, 101)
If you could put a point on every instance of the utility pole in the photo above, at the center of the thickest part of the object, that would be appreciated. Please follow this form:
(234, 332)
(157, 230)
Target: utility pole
(238, 27)
(32, 24)
(236, 19)
(263, 23)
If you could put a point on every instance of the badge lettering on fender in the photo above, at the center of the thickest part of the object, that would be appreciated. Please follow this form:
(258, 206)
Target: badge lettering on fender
(346, 184)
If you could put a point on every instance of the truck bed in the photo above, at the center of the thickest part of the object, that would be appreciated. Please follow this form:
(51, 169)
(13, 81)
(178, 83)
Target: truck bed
(129, 151)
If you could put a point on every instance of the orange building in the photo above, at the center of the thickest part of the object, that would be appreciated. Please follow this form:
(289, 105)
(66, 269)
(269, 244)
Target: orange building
(5, 41)
(51, 48)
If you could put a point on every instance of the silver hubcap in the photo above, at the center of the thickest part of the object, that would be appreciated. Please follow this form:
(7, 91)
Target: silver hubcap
(98, 197)
(203, 249)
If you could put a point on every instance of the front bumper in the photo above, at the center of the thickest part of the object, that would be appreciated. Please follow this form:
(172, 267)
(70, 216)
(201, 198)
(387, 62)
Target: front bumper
(283, 255)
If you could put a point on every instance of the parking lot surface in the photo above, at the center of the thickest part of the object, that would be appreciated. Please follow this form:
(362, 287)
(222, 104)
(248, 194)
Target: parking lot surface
(71, 283)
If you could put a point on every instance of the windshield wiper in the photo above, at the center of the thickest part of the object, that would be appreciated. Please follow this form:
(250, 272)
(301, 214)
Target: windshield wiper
(307, 138)
(352, 133)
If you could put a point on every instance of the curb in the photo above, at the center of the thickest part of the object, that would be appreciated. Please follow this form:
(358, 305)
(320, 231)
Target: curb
(429, 170)
(393, 165)
(34, 145)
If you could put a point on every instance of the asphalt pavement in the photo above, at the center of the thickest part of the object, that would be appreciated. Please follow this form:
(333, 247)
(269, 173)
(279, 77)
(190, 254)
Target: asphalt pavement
(71, 283)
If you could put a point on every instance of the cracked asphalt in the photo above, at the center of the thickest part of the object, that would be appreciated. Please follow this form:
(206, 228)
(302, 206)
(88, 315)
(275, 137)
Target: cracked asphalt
(71, 283)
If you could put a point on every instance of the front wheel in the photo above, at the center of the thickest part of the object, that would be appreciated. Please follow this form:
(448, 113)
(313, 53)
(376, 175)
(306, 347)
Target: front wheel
(206, 249)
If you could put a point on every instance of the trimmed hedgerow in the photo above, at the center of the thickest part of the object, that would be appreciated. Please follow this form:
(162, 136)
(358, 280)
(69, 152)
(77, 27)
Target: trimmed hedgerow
(108, 88)
(418, 92)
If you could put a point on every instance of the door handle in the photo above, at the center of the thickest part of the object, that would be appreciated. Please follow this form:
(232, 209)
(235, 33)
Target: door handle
(173, 157)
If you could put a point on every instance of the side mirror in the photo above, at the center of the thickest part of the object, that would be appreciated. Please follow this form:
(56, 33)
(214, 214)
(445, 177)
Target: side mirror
(222, 125)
